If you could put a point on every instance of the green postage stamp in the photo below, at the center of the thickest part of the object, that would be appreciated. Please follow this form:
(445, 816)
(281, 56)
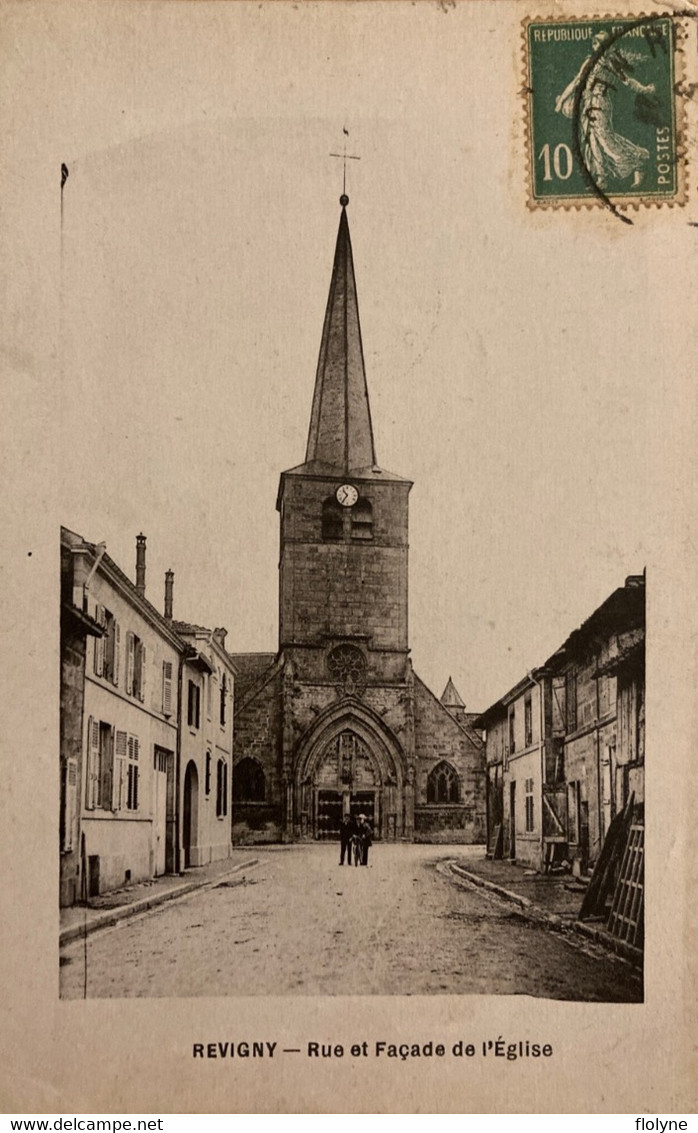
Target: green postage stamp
(602, 117)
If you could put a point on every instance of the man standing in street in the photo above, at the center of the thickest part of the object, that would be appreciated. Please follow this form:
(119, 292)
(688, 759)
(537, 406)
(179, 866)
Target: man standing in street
(347, 828)
(365, 837)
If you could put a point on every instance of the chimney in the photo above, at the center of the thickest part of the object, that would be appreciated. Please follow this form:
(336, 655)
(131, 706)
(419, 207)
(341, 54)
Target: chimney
(169, 585)
(219, 635)
(140, 564)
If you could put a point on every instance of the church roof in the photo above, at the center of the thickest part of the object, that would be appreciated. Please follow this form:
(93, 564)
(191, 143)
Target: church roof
(250, 668)
(451, 697)
(341, 434)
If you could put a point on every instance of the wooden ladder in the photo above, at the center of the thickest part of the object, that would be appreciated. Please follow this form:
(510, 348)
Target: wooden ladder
(626, 919)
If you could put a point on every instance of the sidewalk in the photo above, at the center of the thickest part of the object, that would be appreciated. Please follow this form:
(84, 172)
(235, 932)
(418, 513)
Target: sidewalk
(554, 899)
(80, 920)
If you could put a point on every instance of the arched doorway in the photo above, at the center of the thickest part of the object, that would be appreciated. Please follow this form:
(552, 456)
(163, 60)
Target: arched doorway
(350, 763)
(347, 781)
(190, 817)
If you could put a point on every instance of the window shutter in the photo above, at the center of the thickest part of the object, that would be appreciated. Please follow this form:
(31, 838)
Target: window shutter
(91, 790)
(117, 652)
(143, 670)
(121, 751)
(108, 774)
(99, 642)
(70, 800)
(130, 661)
(167, 688)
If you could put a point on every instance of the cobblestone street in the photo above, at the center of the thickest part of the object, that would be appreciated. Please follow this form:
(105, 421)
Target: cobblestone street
(298, 924)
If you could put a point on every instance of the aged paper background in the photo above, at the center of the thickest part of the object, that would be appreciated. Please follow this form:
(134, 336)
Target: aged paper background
(134, 96)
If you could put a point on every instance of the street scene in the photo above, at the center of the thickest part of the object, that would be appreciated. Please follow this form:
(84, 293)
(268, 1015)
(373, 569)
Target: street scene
(499, 850)
(296, 923)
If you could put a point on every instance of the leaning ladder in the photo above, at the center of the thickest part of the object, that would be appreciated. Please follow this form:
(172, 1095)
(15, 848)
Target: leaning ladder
(625, 920)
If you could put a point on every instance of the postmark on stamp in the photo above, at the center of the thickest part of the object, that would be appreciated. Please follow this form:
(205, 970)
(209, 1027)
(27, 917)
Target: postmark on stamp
(602, 118)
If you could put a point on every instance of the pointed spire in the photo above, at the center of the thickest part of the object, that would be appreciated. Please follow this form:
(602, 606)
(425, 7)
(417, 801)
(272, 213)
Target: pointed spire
(451, 697)
(340, 425)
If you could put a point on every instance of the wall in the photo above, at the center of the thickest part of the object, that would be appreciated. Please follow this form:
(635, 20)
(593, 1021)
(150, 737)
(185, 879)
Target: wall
(345, 587)
(257, 734)
(73, 648)
(212, 739)
(125, 840)
(438, 736)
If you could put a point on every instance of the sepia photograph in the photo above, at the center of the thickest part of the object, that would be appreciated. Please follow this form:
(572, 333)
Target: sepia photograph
(366, 401)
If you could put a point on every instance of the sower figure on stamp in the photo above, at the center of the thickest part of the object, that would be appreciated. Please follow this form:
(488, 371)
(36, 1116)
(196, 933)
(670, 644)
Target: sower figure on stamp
(607, 153)
(365, 836)
(347, 829)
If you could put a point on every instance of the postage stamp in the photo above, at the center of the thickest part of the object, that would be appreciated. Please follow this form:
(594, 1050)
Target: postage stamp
(603, 124)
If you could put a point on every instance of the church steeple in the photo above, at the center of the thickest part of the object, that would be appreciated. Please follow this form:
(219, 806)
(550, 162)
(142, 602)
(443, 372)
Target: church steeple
(341, 433)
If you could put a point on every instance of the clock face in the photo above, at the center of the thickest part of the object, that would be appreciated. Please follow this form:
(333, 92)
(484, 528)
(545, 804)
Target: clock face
(347, 495)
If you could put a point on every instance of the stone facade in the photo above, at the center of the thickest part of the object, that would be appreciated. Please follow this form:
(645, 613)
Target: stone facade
(338, 722)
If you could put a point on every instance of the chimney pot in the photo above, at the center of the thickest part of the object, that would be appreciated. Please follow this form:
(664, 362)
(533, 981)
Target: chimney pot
(169, 587)
(140, 564)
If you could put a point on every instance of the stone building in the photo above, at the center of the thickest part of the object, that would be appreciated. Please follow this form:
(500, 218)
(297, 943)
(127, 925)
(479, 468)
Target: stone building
(600, 672)
(128, 770)
(146, 729)
(565, 745)
(337, 721)
(76, 627)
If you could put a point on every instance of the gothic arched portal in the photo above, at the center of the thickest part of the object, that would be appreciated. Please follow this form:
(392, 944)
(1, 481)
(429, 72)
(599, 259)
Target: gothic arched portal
(350, 764)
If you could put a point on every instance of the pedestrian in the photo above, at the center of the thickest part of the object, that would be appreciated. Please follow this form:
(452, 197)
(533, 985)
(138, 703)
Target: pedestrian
(365, 835)
(347, 829)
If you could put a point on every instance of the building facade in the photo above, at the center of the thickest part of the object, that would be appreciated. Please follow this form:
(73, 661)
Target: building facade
(565, 746)
(337, 721)
(146, 730)
(206, 729)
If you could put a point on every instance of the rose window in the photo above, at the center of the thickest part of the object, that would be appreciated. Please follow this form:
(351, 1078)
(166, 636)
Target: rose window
(347, 666)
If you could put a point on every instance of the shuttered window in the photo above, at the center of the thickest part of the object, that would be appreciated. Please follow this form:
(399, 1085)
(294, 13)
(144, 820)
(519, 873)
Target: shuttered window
(167, 688)
(224, 697)
(132, 774)
(106, 656)
(135, 666)
(93, 770)
(69, 803)
(193, 705)
(528, 721)
(529, 806)
(126, 772)
(222, 789)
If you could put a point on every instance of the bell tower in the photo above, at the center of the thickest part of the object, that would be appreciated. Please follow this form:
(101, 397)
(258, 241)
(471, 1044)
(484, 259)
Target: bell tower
(337, 722)
(344, 533)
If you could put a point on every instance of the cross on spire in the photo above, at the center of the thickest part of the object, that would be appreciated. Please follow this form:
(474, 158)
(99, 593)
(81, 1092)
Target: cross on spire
(345, 158)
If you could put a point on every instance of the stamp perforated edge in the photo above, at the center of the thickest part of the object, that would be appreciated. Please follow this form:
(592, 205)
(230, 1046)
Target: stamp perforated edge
(636, 203)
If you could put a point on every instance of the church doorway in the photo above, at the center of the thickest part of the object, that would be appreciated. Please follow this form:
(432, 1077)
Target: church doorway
(331, 805)
(347, 780)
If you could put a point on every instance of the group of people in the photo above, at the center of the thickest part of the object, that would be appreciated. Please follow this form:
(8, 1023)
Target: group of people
(355, 837)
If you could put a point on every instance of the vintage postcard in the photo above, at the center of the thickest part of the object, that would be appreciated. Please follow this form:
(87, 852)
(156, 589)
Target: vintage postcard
(351, 489)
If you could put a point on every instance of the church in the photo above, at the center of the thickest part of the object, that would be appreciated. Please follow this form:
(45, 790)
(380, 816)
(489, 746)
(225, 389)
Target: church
(337, 721)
